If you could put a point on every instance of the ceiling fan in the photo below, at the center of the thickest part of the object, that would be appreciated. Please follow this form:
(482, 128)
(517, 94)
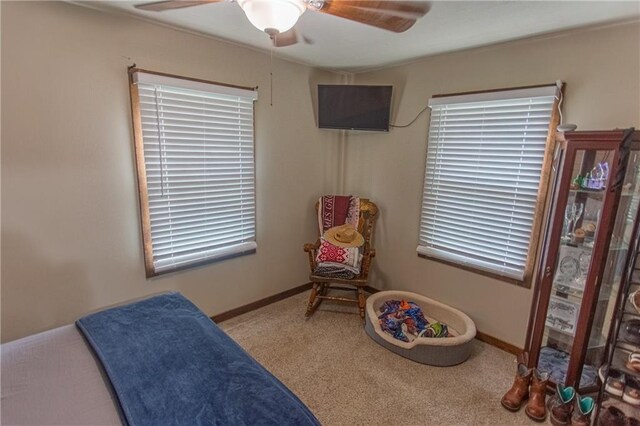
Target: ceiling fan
(277, 17)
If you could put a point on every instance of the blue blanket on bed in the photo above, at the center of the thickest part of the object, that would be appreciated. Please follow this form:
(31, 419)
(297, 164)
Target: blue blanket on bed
(170, 364)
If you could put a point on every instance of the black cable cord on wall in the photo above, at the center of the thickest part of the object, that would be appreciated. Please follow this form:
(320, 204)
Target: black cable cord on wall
(412, 121)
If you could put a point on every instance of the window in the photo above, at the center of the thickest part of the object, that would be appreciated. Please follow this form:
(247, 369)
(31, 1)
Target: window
(485, 157)
(194, 154)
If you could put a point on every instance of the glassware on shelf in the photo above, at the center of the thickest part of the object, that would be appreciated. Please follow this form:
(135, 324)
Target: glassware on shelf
(576, 214)
(572, 215)
(571, 274)
(568, 215)
(584, 261)
(590, 221)
(595, 179)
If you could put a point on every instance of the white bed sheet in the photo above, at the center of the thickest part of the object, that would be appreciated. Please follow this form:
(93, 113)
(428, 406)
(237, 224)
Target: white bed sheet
(52, 378)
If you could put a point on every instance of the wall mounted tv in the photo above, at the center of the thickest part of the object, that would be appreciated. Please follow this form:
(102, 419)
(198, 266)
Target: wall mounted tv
(354, 107)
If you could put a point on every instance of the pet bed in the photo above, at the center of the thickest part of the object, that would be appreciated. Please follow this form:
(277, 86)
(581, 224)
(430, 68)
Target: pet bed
(439, 351)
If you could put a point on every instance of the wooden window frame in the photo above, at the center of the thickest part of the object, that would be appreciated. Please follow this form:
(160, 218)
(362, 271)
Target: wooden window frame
(141, 173)
(542, 201)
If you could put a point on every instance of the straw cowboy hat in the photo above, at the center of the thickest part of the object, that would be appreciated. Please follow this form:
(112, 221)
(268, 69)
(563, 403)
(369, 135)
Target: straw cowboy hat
(344, 236)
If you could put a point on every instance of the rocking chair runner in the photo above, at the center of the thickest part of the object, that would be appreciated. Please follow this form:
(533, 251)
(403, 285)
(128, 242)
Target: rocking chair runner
(322, 285)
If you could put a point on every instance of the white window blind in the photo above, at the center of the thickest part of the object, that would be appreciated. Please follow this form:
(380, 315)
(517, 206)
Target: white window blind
(484, 160)
(199, 169)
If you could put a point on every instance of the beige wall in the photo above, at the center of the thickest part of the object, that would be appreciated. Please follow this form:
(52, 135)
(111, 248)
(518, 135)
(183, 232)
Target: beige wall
(602, 71)
(70, 229)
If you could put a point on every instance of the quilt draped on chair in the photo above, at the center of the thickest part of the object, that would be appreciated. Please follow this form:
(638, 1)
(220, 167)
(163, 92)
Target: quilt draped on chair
(332, 261)
(336, 210)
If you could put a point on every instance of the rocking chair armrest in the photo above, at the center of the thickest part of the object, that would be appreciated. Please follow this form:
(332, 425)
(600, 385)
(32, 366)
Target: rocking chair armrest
(311, 251)
(310, 248)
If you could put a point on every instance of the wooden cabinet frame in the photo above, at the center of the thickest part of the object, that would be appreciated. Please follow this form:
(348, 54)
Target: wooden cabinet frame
(619, 142)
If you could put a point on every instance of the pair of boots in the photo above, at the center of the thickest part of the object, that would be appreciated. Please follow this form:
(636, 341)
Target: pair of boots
(531, 385)
(569, 408)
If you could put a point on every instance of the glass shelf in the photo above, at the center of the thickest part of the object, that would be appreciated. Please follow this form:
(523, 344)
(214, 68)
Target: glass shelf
(574, 295)
(564, 335)
(557, 327)
(619, 247)
(589, 245)
(599, 193)
(586, 191)
(584, 246)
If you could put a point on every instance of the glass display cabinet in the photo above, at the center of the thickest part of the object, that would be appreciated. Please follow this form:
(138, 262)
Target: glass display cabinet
(595, 198)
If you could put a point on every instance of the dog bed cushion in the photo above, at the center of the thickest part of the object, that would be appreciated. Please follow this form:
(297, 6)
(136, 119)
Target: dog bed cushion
(426, 350)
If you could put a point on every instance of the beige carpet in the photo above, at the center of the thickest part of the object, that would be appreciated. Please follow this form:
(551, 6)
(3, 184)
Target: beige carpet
(345, 378)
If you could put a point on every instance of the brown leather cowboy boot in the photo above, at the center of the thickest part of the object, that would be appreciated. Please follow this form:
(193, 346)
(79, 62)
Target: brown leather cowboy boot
(536, 409)
(561, 405)
(582, 412)
(519, 392)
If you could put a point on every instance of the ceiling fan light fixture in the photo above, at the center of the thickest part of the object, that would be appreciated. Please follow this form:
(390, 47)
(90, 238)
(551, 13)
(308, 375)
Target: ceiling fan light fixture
(273, 16)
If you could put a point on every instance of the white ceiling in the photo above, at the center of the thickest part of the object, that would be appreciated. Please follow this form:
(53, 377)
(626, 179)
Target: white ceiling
(339, 44)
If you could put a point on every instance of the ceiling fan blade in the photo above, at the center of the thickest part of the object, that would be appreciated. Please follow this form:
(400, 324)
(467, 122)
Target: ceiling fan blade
(403, 9)
(380, 14)
(286, 38)
(159, 6)
(290, 38)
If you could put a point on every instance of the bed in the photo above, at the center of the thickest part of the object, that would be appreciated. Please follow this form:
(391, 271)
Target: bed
(64, 376)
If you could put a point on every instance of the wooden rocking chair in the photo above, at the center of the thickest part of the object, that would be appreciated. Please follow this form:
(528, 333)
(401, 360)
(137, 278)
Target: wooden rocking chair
(322, 285)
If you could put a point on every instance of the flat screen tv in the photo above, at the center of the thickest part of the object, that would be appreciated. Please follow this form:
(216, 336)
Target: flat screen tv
(354, 107)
